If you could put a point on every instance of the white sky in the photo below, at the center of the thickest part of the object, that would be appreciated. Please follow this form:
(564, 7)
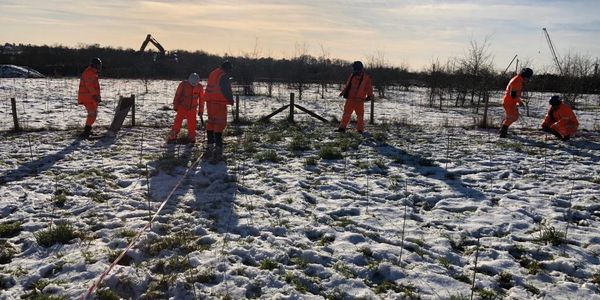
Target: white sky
(407, 32)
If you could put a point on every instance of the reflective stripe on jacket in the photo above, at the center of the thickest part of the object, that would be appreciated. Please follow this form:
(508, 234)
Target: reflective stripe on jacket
(189, 97)
(89, 87)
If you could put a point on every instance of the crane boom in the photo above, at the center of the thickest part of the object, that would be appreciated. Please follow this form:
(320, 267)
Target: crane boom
(552, 51)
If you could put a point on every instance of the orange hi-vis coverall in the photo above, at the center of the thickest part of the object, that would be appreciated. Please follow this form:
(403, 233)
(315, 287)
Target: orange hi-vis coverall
(188, 102)
(218, 96)
(357, 88)
(512, 97)
(561, 120)
(89, 94)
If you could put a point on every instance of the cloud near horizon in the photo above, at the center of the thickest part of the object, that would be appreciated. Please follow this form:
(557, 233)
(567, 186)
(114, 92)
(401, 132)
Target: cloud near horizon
(409, 32)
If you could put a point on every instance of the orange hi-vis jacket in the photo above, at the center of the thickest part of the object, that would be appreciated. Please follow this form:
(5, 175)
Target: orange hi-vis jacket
(213, 92)
(89, 87)
(358, 87)
(515, 85)
(189, 97)
(561, 119)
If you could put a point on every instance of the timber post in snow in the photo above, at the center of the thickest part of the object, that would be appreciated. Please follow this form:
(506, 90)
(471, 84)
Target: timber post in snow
(132, 110)
(291, 107)
(13, 104)
(372, 119)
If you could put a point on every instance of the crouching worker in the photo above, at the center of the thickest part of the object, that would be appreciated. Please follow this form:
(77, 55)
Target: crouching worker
(512, 99)
(218, 96)
(188, 102)
(357, 90)
(560, 120)
(89, 94)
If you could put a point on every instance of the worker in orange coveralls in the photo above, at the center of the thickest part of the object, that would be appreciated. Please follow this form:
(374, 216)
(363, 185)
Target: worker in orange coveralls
(218, 96)
(188, 102)
(560, 120)
(512, 99)
(89, 94)
(357, 90)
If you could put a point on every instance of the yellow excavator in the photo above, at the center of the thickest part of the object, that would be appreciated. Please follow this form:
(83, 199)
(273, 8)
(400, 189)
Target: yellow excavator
(162, 54)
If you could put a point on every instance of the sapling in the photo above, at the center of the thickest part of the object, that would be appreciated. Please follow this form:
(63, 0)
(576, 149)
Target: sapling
(404, 219)
(475, 269)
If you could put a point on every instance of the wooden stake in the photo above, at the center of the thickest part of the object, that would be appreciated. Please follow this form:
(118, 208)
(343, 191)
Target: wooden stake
(292, 107)
(13, 104)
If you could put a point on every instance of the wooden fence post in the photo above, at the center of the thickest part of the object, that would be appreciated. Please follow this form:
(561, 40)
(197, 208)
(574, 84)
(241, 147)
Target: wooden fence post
(133, 111)
(372, 119)
(13, 103)
(292, 107)
(237, 108)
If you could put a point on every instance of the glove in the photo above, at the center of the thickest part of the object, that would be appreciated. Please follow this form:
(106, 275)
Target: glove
(97, 98)
(545, 129)
(513, 94)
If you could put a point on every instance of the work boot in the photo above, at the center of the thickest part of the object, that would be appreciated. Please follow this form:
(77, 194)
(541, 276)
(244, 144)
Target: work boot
(87, 131)
(208, 152)
(340, 130)
(503, 131)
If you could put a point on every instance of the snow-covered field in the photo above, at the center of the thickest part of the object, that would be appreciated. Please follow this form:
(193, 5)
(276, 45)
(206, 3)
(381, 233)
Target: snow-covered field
(297, 211)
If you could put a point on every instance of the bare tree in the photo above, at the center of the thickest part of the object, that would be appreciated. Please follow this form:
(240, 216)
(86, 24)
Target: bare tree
(576, 69)
(476, 63)
(380, 70)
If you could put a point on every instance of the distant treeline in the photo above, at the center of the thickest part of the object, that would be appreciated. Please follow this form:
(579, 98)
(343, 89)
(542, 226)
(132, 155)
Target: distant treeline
(297, 71)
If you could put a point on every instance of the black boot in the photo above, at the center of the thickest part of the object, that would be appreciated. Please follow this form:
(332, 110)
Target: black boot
(503, 131)
(340, 130)
(87, 131)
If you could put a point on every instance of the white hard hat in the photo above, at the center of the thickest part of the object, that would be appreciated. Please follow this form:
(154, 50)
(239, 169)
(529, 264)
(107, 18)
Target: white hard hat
(194, 79)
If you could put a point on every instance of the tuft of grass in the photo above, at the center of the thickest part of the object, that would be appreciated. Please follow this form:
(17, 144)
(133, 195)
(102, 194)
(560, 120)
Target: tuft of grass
(184, 241)
(10, 229)
(269, 155)
(268, 264)
(552, 236)
(459, 297)
(462, 278)
(366, 251)
(299, 143)
(486, 294)
(107, 294)
(60, 197)
(505, 280)
(7, 251)
(532, 289)
(206, 276)
(310, 161)
(344, 269)
(59, 234)
(445, 262)
(596, 278)
(330, 152)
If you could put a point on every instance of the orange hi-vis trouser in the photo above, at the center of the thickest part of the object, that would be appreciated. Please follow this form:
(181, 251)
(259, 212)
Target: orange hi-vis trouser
(511, 114)
(92, 112)
(357, 106)
(217, 116)
(190, 116)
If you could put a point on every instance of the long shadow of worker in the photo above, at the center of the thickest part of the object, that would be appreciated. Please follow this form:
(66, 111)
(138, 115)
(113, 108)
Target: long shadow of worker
(205, 191)
(35, 167)
(428, 168)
